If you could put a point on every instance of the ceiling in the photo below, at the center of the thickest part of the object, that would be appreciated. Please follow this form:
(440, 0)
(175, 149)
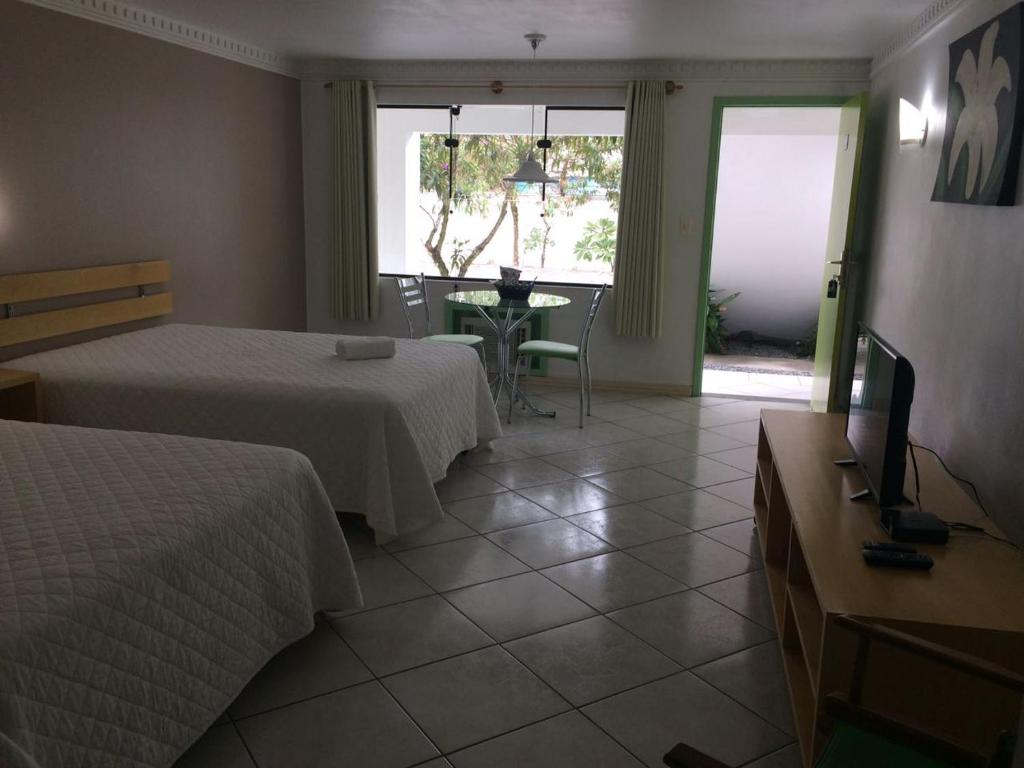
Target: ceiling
(576, 29)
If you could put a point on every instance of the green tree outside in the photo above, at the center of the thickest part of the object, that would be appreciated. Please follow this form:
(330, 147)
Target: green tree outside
(598, 241)
(587, 167)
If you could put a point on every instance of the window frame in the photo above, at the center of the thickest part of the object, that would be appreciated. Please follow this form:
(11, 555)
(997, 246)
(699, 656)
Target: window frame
(487, 281)
(547, 109)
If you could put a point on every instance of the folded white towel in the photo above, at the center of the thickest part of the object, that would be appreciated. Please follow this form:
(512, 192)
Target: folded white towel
(364, 347)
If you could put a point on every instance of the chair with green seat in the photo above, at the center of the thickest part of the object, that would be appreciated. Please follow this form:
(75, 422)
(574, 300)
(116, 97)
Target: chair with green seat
(862, 738)
(579, 353)
(412, 292)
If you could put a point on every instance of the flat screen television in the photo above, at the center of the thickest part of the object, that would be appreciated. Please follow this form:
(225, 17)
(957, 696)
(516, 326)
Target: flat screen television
(876, 426)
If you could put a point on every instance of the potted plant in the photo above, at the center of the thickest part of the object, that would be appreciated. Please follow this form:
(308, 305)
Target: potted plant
(715, 327)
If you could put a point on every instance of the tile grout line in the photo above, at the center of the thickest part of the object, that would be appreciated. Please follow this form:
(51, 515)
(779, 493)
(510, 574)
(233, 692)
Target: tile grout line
(540, 571)
(726, 544)
(530, 569)
(443, 596)
(623, 550)
(733, 698)
(770, 754)
(724, 605)
(387, 690)
(501, 644)
(604, 614)
(241, 738)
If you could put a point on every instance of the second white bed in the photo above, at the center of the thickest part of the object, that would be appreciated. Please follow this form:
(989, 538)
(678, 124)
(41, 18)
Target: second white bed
(144, 580)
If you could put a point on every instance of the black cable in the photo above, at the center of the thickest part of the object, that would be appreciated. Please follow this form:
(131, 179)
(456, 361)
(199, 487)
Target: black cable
(964, 527)
(954, 525)
(964, 480)
(917, 478)
(968, 528)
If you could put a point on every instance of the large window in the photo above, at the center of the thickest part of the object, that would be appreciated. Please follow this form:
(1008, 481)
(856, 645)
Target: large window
(566, 234)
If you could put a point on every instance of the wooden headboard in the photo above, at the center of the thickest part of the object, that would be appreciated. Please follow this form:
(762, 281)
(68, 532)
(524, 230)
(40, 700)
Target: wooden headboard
(15, 290)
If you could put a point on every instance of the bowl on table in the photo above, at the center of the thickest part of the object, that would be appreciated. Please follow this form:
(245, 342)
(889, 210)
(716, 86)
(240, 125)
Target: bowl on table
(510, 274)
(514, 290)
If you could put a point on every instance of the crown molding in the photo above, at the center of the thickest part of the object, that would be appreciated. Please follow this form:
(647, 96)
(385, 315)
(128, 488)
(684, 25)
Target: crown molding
(455, 72)
(473, 72)
(912, 34)
(128, 17)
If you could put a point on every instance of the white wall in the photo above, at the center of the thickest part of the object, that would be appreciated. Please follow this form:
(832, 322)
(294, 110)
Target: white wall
(771, 226)
(946, 283)
(666, 361)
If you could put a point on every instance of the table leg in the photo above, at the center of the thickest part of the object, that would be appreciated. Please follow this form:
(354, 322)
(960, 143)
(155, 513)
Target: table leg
(503, 330)
(503, 379)
(502, 374)
(520, 395)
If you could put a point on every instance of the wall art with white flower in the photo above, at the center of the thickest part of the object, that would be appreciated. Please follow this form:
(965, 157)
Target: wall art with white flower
(984, 115)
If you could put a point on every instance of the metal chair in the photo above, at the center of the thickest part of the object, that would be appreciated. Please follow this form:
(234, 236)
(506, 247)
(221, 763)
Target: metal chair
(412, 292)
(578, 352)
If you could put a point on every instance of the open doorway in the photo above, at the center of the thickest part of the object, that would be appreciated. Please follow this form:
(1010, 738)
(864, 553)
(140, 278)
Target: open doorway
(775, 174)
(781, 199)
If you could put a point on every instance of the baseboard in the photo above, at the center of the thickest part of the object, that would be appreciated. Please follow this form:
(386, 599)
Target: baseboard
(640, 387)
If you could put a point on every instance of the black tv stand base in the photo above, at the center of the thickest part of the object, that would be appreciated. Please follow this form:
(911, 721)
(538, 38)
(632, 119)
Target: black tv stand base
(866, 493)
(852, 462)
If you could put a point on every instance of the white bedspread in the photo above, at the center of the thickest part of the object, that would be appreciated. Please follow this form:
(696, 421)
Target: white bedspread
(144, 579)
(380, 433)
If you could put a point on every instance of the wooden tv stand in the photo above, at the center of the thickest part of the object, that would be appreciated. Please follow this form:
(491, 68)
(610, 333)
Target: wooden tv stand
(811, 536)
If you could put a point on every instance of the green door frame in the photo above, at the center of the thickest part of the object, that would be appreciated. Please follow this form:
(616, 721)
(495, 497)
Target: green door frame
(720, 104)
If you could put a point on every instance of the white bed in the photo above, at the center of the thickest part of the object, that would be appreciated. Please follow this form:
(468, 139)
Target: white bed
(380, 433)
(144, 579)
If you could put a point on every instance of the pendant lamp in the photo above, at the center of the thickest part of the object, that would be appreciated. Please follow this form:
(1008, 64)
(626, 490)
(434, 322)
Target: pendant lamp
(530, 171)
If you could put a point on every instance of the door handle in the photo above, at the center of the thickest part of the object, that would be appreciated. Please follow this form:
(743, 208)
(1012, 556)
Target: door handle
(844, 259)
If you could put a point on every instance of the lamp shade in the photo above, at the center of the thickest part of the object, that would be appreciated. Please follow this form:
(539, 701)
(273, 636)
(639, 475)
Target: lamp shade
(530, 172)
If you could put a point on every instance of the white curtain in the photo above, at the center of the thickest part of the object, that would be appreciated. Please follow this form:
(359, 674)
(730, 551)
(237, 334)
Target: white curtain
(639, 260)
(355, 294)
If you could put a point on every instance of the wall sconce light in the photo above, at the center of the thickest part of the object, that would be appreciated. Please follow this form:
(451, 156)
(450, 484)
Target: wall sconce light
(913, 125)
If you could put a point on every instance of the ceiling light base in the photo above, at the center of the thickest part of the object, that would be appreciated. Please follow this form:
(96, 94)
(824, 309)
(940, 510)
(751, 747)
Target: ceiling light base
(535, 39)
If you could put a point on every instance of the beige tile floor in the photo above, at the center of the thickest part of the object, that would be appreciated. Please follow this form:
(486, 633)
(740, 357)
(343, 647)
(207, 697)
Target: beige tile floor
(592, 597)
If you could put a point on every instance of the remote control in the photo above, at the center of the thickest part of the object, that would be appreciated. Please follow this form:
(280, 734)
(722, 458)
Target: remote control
(889, 546)
(875, 557)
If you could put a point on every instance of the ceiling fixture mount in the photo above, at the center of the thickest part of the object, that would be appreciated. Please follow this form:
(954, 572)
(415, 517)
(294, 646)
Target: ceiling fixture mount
(530, 171)
(535, 39)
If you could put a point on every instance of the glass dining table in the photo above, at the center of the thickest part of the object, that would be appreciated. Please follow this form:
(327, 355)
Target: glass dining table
(505, 316)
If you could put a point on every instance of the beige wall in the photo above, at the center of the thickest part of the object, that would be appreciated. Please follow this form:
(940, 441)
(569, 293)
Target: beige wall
(117, 147)
(946, 283)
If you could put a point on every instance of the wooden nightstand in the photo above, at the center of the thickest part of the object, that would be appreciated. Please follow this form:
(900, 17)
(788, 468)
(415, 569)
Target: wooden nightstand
(21, 396)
